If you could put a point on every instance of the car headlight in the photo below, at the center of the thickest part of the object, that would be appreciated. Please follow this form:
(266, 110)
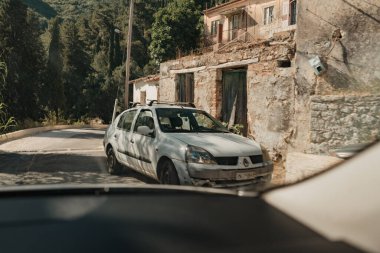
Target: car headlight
(266, 156)
(199, 155)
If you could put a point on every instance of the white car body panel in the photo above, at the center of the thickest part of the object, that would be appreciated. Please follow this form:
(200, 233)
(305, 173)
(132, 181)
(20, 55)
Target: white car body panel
(142, 153)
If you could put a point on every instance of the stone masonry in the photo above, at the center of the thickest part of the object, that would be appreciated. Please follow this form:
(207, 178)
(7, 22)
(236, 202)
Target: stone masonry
(343, 120)
(270, 89)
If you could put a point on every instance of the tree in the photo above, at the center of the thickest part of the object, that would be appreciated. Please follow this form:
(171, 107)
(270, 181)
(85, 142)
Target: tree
(24, 55)
(54, 90)
(5, 120)
(75, 69)
(3, 74)
(176, 27)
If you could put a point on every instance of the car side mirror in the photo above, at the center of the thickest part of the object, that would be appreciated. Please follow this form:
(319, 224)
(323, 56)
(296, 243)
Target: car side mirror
(144, 130)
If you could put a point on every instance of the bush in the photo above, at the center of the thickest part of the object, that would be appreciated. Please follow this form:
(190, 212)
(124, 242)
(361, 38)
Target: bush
(7, 123)
(51, 119)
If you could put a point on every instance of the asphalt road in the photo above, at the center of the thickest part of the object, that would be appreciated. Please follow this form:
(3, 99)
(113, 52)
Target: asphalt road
(61, 156)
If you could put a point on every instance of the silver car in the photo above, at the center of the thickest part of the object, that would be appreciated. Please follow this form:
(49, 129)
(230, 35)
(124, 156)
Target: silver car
(183, 145)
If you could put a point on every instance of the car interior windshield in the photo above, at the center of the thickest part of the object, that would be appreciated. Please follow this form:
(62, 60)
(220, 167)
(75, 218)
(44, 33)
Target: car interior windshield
(187, 120)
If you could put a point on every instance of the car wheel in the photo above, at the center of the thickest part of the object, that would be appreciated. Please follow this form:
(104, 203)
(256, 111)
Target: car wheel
(168, 173)
(113, 166)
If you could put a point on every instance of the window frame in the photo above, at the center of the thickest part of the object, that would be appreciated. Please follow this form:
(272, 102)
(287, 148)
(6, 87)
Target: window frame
(268, 19)
(153, 135)
(214, 27)
(122, 118)
(292, 12)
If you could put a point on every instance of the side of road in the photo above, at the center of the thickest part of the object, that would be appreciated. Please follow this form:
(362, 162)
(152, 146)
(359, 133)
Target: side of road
(299, 165)
(32, 131)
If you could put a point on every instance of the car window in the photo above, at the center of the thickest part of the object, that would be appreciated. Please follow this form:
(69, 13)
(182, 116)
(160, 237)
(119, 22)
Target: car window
(128, 120)
(145, 118)
(187, 120)
(121, 120)
(204, 121)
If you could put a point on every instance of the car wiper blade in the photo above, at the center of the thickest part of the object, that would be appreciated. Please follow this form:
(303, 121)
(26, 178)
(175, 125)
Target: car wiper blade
(211, 131)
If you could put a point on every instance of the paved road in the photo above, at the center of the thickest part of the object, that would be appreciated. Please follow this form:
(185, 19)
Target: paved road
(60, 156)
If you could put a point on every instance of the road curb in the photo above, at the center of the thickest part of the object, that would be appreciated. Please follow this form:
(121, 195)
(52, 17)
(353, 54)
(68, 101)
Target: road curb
(32, 131)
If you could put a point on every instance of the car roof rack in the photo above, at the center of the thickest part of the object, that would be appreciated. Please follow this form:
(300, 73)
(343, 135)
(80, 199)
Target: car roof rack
(188, 104)
(134, 104)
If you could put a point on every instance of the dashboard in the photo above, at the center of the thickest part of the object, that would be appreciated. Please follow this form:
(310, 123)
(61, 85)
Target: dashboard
(151, 222)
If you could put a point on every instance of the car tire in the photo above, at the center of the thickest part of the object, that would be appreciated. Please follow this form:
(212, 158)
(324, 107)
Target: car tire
(113, 165)
(168, 173)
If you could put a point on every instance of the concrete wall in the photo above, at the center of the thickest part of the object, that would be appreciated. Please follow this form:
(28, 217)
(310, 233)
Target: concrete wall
(345, 35)
(343, 120)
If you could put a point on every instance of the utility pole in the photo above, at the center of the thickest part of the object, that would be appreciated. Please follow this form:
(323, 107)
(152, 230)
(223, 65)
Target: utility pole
(128, 60)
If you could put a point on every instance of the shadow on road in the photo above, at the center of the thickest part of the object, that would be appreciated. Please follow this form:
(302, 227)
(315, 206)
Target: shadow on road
(30, 168)
(73, 134)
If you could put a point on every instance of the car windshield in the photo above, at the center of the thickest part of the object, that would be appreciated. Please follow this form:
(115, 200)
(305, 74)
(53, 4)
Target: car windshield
(187, 120)
(225, 94)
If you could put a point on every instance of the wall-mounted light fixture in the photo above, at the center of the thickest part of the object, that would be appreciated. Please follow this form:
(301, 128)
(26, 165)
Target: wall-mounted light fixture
(317, 65)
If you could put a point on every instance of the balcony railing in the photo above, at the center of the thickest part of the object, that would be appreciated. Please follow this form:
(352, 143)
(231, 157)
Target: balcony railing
(226, 36)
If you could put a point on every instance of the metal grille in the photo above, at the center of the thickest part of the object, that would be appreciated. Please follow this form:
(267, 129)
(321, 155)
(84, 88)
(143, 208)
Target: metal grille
(256, 159)
(226, 160)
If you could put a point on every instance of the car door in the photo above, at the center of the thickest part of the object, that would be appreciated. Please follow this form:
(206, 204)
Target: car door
(123, 138)
(144, 146)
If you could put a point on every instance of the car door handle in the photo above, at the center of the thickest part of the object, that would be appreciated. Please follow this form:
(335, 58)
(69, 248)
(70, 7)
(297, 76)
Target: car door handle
(132, 141)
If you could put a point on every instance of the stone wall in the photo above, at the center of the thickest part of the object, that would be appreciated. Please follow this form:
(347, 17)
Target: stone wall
(270, 89)
(345, 35)
(343, 120)
(270, 106)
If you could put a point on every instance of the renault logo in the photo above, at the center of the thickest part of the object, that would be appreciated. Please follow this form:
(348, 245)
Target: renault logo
(245, 162)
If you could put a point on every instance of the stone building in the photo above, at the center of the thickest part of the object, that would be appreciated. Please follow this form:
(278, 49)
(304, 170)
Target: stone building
(342, 105)
(145, 89)
(268, 83)
(248, 19)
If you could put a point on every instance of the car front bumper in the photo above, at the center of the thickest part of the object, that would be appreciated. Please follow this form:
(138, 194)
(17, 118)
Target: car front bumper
(223, 176)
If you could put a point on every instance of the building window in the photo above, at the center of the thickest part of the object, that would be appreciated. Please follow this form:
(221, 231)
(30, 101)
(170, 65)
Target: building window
(268, 15)
(214, 27)
(293, 12)
(235, 21)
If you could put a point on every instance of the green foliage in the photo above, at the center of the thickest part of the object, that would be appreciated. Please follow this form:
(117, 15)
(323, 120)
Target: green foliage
(76, 64)
(6, 122)
(79, 69)
(54, 118)
(54, 90)
(3, 74)
(176, 28)
(23, 54)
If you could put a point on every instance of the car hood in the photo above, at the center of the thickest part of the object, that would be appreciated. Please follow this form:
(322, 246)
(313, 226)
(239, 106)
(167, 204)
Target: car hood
(220, 144)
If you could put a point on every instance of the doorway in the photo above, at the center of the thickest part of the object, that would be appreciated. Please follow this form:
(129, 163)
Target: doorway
(185, 88)
(234, 98)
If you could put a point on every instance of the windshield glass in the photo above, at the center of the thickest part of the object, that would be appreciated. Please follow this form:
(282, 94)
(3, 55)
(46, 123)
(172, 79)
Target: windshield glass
(230, 94)
(187, 120)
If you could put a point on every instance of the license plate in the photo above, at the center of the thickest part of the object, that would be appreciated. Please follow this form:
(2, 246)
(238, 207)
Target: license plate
(246, 175)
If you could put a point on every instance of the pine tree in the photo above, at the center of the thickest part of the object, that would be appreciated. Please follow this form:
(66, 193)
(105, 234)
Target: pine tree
(75, 68)
(54, 90)
(23, 53)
